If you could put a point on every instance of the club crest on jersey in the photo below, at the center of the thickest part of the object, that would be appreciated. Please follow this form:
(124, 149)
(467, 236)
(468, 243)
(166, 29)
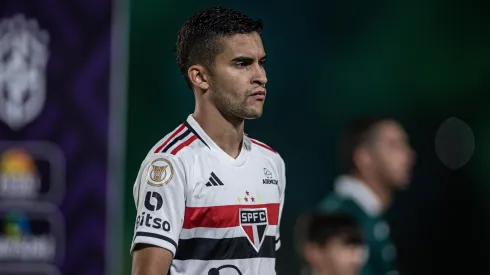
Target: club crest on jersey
(160, 173)
(254, 223)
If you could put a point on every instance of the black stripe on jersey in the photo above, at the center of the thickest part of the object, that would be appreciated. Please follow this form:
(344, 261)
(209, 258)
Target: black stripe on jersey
(223, 249)
(156, 236)
(278, 239)
(216, 178)
(194, 132)
(179, 137)
(213, 181)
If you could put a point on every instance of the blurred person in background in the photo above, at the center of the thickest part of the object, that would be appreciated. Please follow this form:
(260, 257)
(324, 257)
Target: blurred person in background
(379, 161)
(209, 198)
(330, 244)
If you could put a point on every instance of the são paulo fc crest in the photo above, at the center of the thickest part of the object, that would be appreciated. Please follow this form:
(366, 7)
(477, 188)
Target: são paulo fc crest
(254, 223)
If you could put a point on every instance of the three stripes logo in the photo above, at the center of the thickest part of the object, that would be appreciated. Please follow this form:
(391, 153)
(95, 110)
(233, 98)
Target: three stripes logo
(214, 181)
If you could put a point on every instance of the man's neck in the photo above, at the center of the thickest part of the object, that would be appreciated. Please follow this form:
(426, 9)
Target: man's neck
(383, 193)
(226, 132)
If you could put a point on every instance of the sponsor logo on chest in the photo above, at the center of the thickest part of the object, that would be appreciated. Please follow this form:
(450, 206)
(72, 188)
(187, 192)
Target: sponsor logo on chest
(268, 179)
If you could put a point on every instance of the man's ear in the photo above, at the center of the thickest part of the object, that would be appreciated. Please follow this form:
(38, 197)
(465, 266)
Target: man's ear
(310, 254)
(198, 76)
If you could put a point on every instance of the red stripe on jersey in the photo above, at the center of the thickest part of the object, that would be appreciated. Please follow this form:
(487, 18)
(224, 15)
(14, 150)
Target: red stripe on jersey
(182, 126)
(263, 145)
(183, 144)
(224, 216)
(250, 232)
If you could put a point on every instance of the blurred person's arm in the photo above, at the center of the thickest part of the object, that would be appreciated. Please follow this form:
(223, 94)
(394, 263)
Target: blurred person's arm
(159, 194)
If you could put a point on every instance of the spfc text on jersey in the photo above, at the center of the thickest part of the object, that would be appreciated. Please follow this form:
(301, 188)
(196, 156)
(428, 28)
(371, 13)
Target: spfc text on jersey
(253, 216)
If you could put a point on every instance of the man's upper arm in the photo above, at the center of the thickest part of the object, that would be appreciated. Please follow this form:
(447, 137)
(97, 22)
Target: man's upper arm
(282, 186)
(159, 195)
(151, 260)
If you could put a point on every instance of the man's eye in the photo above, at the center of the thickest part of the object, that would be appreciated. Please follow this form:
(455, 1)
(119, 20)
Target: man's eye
(240, 65)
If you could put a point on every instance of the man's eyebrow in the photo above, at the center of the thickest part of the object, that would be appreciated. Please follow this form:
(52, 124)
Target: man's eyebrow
(247, 59)
(243, 59)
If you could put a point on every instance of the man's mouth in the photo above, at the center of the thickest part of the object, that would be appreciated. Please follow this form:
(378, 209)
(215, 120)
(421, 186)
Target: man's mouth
(259, 95)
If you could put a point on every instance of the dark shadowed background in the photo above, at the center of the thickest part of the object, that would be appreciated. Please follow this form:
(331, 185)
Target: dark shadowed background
(421, 61)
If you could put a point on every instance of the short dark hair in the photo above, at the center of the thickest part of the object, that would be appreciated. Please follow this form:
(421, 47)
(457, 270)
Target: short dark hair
(358, 133)
(319, 228)
(198, 40)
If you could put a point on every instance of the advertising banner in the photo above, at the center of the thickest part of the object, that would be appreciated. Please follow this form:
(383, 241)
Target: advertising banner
(55, 70)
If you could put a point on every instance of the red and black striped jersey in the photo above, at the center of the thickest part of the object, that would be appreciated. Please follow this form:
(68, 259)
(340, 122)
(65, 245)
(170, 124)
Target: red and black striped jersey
(214, 213)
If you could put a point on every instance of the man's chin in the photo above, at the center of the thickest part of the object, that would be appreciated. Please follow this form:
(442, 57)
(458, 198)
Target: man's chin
(252, 115)
(403, 184)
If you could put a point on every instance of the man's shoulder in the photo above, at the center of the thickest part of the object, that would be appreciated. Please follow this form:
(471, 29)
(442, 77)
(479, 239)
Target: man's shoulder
(263, 149)
(334, 203)
(178, 141)
(170, 151)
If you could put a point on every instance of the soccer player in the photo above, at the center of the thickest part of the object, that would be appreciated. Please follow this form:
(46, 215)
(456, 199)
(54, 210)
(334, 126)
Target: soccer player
(379, 160)
(209, 198)
(330, 244)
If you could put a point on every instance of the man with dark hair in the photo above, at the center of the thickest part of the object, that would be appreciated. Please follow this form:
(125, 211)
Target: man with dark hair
(330, 244)
(378, 159)
(209, 198)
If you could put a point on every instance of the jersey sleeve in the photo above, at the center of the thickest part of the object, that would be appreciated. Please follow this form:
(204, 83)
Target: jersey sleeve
(159, 195)
(281, 205)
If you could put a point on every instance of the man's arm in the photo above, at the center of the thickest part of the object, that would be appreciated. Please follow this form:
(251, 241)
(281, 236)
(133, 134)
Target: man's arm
(281, 206)
(282, 185)
(159, 194)
(150, 260)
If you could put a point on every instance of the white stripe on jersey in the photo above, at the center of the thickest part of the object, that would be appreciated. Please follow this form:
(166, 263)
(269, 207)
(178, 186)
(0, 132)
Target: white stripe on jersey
(219, 233)
(251, 266)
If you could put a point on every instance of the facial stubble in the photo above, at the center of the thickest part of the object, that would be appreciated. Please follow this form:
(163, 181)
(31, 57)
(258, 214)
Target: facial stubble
(236, 108)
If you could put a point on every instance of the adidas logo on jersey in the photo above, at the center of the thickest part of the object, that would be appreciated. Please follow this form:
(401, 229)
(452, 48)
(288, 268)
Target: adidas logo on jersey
(214, 181)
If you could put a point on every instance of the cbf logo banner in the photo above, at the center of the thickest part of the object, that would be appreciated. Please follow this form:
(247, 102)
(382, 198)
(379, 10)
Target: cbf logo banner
(55, 136)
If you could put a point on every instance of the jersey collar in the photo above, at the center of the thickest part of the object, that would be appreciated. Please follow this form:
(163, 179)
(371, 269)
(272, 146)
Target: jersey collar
(353, 188)
(201, 134)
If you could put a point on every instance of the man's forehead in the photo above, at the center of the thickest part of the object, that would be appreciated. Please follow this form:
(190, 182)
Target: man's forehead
(243, 45)
(393, 130)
